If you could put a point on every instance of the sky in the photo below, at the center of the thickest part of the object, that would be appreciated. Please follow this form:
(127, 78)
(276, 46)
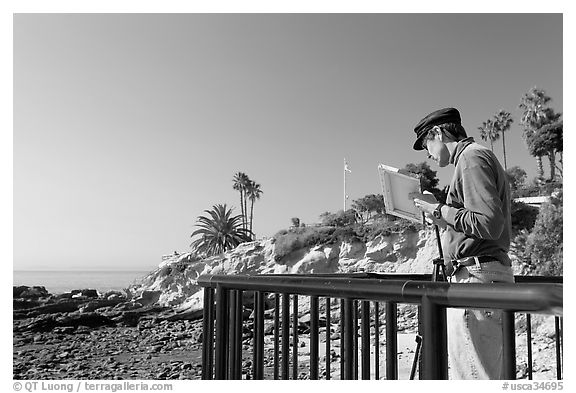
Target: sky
(126, 127)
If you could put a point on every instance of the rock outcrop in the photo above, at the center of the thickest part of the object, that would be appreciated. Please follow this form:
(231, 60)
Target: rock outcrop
(175, 280)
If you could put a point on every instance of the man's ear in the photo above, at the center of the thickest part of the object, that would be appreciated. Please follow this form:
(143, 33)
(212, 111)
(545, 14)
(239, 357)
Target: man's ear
(438, 135)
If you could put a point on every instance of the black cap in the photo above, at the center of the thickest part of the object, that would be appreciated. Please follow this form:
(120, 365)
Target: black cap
(446, 115)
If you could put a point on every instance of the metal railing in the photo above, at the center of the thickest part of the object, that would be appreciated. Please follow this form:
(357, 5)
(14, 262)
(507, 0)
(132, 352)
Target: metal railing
(224, 317)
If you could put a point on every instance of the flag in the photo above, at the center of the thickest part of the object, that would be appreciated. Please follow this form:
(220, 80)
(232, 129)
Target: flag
(346, 167)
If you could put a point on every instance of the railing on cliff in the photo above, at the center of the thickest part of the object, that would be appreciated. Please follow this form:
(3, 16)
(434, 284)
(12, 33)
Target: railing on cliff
(224, 316)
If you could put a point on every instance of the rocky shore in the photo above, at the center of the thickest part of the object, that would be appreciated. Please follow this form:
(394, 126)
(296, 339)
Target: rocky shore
(84, 335)
(87, 335)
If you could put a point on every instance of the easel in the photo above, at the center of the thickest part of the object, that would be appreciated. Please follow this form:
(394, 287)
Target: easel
(438, 275)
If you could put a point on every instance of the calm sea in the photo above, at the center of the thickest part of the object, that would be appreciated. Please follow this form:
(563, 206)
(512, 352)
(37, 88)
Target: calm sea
(65, 281)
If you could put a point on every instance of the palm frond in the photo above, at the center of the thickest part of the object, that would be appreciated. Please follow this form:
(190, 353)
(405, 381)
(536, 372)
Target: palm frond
(219, 231)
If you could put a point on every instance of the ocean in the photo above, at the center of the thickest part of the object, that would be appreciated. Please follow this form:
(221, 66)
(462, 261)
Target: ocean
(64, 281)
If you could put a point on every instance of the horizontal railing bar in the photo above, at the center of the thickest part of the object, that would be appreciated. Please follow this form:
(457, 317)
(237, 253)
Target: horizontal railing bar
(539, 298)
(417, 276)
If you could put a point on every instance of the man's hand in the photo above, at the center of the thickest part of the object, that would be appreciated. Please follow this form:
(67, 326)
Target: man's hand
(427, 203)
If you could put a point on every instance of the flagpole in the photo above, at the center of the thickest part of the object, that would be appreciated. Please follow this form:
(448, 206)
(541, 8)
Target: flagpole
(344, 184)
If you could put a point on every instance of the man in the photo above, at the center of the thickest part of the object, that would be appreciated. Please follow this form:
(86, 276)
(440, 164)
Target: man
(476, 240)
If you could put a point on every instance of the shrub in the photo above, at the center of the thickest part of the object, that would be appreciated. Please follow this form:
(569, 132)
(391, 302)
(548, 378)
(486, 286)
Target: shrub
(280, 233)
(386, 227)
(165, 271)
(287, 241)
(544, 245)
(537, 188)
(523, 216)
(347, 234)
(540, 251)
(295, 238)
(339, 219)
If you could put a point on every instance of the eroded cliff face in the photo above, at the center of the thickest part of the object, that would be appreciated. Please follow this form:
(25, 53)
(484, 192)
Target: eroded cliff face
(175, 279)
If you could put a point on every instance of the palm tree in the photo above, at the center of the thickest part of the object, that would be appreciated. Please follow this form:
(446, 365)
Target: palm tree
(241, 183)
(253, 192)
(548, 142)
(502, 122)
(488, 132)
(219, 232)
(534, 109)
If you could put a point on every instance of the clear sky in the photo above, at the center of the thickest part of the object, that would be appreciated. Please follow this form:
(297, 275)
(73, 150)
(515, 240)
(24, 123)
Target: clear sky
(128, 126)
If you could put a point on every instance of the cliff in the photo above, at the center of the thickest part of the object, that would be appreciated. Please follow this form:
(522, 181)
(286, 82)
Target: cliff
(174, 284)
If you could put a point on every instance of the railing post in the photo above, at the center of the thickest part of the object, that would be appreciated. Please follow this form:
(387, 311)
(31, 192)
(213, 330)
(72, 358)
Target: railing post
(285, 335)
(232, 335)
(376, 340)
(529, 344)
(348, 339)
(391, 341)
(221, 330)
(355, 342)
(314, 337)
(365, 326)
(342, 343)
(328, 334)
(434, 343)
(258, 363)
(419, 359)
(276, 335)
(295, 337)
(239, 325)
(208, 334)
(559, 362)
(508, 345)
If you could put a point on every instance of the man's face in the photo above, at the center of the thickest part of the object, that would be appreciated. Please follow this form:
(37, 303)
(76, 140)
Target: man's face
(437, 150)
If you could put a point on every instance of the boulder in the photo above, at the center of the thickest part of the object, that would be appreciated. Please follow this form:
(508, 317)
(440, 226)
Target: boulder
(84, 293)
(59, 307)
(96, 304)
(23, 304)
(314, 261)
(88, 319)
(26, 292)
(148, 297)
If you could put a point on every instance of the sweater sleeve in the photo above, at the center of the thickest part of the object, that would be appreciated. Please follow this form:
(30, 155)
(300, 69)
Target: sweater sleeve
(481, 216)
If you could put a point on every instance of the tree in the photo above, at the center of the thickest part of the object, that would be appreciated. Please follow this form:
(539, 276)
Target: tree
(241, 183)
(253, 192)
(548, 141)
(428, 179)
(502, 122)
(535, 115)
(516, 178)
(219, 232)
(369, 205)
(491, 130)
(488, 132)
